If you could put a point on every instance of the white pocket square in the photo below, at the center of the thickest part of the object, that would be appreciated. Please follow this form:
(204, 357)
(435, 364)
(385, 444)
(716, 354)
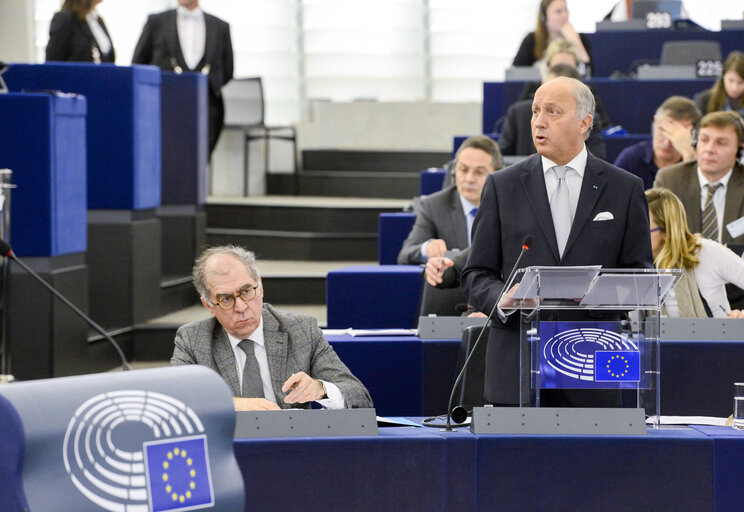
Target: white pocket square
(604, 216)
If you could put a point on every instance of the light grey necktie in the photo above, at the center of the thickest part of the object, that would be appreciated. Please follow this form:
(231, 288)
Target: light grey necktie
(252, 385)
(560, 208)
(710, 218)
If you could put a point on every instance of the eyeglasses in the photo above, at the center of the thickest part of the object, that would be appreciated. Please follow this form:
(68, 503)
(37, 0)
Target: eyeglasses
(227, 301)
(655, 229)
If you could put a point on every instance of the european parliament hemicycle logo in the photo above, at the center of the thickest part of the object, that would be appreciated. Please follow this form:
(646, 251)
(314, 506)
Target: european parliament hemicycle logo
(587, 356)
(138, 451)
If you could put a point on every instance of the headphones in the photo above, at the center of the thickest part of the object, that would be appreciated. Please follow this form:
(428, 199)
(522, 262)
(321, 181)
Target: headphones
(740, 151)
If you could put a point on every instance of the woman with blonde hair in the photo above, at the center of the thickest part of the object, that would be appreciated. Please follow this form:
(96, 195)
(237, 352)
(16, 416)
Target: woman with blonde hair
(77, 34)
(708, 265)
(552, 24)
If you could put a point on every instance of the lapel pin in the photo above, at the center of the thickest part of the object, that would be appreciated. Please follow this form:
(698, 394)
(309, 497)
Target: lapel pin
(594, 187)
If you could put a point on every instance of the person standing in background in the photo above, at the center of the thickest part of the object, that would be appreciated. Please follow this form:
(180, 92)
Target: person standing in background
(188, 39)
(78, 34)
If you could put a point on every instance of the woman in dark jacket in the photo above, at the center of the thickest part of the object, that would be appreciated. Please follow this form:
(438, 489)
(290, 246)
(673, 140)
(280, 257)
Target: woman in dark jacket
(78, 34)
(728, 91)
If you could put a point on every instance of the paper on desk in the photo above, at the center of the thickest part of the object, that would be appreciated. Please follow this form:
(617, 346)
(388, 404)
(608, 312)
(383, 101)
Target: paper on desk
(397, 420)
(370, 332)
(690, 420)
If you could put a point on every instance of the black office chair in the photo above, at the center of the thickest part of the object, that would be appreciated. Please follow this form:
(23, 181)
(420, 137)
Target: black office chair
(470, 393)
(244, 110)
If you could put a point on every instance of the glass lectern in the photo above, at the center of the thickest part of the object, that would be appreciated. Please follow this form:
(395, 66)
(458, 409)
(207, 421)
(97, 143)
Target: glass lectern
(571, 350)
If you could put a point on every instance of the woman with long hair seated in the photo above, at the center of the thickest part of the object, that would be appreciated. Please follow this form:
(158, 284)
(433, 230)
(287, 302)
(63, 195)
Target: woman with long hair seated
(728, 91)
(708, 265)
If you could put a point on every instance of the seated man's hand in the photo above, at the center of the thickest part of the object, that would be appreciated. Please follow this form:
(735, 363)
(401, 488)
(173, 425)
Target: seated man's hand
(736, 313)
(254, 404)
(436, 248)
(303, 389)
(680, 136)
(435, 267)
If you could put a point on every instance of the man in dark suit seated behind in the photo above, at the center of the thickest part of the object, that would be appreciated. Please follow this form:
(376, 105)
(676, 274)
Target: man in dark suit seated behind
(516, 136)
(271, 359)
(444, 220)
(579, 210)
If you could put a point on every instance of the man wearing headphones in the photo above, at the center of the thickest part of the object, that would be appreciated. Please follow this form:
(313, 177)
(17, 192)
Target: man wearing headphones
(712, 187)
(671, 141)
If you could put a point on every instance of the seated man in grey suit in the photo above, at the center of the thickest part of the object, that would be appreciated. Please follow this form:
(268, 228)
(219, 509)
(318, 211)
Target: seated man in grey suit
(271, 359)
(444, 219)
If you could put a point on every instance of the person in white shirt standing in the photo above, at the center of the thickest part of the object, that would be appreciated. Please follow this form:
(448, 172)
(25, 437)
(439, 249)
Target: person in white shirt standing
(189, 39)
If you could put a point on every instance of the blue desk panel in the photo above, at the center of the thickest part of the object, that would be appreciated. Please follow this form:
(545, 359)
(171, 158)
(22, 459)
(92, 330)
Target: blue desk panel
(628, 102)
(389, 472)
(374, 296)
(184, 153)
(393, 231)
(696, 376)
(431, 181)
(42, 140)
(406, 376)
(616, 51)
(407, 468)
(123, 126)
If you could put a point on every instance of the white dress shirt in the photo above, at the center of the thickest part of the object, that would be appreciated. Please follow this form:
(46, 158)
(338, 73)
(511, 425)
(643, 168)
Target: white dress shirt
(102, 40)
(718, 265)
(719, 198)
(192, 35)
(335, 398)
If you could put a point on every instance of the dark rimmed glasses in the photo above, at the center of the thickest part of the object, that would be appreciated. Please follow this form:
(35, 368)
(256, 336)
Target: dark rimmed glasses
(227, 301)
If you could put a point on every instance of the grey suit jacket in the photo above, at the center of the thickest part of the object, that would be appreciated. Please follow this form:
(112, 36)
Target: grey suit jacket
(441, 216)
(683, 181)
(294, 343)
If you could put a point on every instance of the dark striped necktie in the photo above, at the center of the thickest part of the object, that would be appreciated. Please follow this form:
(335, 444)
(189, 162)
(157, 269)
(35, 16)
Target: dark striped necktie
(710, 219)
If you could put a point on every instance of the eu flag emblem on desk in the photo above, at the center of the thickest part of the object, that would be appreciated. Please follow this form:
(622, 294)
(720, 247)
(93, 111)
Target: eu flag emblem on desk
(178, 476)
(617, 366)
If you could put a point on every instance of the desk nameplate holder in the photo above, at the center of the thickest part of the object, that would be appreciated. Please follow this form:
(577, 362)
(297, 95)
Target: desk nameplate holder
(306, 423)
(558, 421)
(445, 327)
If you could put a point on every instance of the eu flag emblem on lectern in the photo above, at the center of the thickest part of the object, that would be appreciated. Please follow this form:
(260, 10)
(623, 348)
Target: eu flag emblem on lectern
(178, 476)
(617, 366)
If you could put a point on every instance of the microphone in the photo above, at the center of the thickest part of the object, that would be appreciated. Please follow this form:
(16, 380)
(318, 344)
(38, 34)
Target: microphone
(6, 251)
(459, 413)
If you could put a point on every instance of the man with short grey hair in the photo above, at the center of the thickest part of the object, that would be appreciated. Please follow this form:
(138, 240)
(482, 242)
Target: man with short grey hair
(271, 359)
(578, 209)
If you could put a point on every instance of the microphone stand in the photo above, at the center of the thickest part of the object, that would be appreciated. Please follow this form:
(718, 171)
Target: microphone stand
(9, 254)
(459, 412)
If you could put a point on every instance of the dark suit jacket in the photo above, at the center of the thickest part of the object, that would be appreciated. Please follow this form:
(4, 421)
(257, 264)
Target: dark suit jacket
(294, 343)
(70, 39)
(683, 181)
(159, 45)
(515, 204)
(440, 216)
(516, 132)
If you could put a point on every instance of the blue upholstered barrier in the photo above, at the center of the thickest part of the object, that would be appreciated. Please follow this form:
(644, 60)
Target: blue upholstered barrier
(42, 140)
(393, 230)
(374, 296)
(185, 144)
(123, 126)
(431, 181)
(630, 103)
(616, 51)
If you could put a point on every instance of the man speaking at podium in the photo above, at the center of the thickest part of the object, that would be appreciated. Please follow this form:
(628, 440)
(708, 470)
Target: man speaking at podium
(271, 359)
(578, 209)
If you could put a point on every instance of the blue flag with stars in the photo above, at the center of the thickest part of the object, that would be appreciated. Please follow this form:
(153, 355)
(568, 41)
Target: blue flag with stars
(617, 366)
(178, 476)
